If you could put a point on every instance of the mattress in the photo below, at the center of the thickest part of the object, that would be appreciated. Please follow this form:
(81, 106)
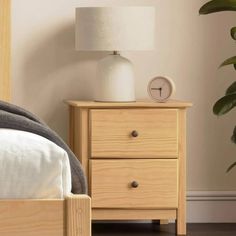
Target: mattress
(32, 167)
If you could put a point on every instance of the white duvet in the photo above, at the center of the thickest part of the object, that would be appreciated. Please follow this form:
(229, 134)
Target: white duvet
(32, 167)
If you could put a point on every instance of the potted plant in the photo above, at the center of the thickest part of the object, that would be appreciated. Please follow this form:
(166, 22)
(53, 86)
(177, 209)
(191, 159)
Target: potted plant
(228, 101)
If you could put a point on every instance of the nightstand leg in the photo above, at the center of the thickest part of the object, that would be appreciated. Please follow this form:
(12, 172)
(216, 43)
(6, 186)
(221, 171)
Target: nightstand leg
(181, 223)
(160, 222)
(164, 222)
(181, 211)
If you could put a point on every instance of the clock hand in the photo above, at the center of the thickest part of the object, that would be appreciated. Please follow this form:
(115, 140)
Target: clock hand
(160, 89)
(156, 88)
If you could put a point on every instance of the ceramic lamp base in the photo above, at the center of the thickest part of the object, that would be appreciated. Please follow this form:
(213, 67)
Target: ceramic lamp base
(115, 80)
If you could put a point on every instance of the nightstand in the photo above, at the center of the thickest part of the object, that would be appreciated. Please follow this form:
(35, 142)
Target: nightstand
(134, 157)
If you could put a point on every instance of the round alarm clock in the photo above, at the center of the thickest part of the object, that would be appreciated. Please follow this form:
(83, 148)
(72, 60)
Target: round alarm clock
(161, 88)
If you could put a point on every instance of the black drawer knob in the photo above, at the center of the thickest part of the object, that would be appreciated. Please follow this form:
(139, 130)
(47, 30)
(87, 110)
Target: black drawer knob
(134, 184)
(134, 133)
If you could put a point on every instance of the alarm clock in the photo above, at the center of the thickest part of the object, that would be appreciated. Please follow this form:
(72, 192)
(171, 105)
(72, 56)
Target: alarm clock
(161, 88)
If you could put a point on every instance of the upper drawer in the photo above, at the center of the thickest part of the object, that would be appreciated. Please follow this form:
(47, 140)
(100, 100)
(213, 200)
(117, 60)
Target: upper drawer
(134, 133)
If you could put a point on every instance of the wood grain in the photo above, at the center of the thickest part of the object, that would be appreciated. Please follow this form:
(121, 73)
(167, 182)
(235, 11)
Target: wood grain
(79, 136)
(70, 217)
(72, 128)
(181, 212)
(111, 133)
(32, 217)
(132, 214)
(78, 215)
(139, 104)
(111, 184)
(5, 41)
(163, 195)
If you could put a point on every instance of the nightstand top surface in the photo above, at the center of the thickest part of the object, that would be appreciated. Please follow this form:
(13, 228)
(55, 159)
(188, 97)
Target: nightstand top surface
(137, 104)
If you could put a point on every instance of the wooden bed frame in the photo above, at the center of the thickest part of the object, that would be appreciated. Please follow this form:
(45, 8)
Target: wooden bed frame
(67, 217)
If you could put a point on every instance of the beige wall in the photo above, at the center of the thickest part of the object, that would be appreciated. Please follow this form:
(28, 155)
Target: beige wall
(46, 70)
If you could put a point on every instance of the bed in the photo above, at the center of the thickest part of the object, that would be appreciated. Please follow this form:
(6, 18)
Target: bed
(58, 214)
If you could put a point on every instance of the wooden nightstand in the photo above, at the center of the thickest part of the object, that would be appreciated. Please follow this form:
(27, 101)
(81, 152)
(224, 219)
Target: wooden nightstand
(134, 157)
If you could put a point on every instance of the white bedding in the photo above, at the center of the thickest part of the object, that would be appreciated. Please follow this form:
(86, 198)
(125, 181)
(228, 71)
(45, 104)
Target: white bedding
(32, 167)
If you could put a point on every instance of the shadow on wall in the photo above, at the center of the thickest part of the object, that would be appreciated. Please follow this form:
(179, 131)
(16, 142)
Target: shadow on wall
(54, 53)
(54, 71)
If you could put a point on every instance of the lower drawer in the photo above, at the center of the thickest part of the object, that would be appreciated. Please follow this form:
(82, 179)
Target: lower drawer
(134, 183)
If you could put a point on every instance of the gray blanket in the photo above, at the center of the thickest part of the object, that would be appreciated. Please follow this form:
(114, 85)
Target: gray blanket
(14, 117)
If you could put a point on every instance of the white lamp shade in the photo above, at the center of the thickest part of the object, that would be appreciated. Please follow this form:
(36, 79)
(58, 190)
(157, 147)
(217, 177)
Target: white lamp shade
(115, 28)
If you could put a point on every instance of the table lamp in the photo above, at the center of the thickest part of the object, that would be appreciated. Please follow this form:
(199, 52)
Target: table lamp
(115, 29)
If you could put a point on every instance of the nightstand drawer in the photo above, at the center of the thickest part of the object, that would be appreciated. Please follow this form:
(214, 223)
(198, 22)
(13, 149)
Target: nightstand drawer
(134, 133)
(134, 183)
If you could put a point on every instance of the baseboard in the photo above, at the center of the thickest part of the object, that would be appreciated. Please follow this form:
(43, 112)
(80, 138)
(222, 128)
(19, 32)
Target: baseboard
(211, 206)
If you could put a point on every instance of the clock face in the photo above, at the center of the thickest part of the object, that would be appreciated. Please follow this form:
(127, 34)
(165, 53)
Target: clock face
(160, 89)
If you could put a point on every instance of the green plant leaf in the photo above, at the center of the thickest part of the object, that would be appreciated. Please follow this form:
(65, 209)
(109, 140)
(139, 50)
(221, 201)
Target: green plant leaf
(217, 6)
(225, 104)
(233, 138)
(231, 89)
(230, 61)
(231, 167)
(233, 33)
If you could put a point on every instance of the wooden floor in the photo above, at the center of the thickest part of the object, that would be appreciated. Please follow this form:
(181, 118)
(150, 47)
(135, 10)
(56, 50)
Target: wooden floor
(111, 229)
